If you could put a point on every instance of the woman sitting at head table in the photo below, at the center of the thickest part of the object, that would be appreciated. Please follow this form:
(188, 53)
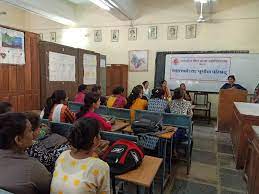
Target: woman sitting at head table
(117, 100)
(5, 107)
(157, 103)
(167, 93)
(78, 171)
(146, 90)
(97, 89)
(19, 172)
(92, 102)
(256, 95)
(135, 100)
(231, 84)
(186, 95)
(56, 109)
(80, 96)
(46, 146)
(179, 105)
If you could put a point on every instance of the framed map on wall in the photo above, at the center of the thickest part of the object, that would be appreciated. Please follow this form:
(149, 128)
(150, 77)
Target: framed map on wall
(138, 60)
(11, 47)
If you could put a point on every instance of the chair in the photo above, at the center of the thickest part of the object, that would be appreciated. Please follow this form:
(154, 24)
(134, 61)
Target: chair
(102, 110)
(74, 107)
(63, 129)
(183, 121)
(202, 105)
(120, 113)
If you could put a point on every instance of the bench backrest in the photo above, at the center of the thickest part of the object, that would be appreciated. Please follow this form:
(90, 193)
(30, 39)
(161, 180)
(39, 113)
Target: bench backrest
(74, 107)
(63, 129)
(120, 113)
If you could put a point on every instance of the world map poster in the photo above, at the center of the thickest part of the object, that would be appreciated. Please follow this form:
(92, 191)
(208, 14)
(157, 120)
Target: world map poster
(11, 47)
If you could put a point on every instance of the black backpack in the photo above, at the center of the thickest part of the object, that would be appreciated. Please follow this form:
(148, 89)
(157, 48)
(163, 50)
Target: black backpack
(145, 125)
(123, 156)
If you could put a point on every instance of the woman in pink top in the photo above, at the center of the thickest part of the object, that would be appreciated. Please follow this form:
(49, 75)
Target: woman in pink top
(92, 102)
(80, 96)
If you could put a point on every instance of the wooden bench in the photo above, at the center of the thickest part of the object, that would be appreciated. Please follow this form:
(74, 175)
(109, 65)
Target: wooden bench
(145, 174)
(119, 125)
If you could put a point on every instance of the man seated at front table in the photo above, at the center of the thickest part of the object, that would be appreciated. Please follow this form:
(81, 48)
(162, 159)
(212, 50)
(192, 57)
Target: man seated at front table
(231, 84)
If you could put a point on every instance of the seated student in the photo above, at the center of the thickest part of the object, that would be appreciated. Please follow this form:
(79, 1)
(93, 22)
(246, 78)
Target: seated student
(92, 102)
(117, 100)
(56, 110)
(140, 87)
(77, 171)
(80, 96)
(47, 146)
(179, 105)
(19, 172)
(167, 93)
(97, 89)
(255, 98)
(157, 102)
(5, 107)
(146, 90)
(135, 101)
(231, 84)
(186, 95)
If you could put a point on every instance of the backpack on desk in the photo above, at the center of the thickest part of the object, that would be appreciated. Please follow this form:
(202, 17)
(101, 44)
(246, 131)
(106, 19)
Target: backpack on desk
(123, 156)
(144, 125)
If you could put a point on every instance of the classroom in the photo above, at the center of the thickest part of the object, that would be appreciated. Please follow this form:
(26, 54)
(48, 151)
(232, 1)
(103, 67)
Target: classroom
(129, 96)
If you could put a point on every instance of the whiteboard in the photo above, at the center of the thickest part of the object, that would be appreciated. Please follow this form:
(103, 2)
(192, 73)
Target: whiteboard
(61, 67)
(245, 67)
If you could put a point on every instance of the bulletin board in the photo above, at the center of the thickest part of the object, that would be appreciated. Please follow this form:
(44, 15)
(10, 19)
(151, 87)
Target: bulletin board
(63, 68)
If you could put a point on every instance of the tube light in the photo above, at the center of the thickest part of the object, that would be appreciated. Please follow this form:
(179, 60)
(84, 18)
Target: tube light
(101, 4)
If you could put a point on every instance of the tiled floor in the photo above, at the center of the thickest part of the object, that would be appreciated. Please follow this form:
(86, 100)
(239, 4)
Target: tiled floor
(213, 168)
(212, 171)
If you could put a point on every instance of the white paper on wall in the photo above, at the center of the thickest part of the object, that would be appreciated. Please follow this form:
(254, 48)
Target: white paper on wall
(90, 64)
(61, 67)
(11, 47)
(103, 63)
(90, 75)
(90, 60)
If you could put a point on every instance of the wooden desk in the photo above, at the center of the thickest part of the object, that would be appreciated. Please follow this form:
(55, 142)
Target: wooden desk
(252, 161)
(225, 107)
(144, 174)
(245, 115)
(119, 125)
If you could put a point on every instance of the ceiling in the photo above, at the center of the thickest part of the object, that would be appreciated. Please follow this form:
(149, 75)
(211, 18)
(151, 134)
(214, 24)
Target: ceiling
(79, 1)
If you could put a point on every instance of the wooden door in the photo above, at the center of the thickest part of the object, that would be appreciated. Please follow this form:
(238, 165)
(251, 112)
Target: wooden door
(116, 75)
(20, 84)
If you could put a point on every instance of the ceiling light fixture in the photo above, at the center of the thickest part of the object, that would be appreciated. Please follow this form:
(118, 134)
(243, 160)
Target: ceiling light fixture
(102, 4)
(113, 4)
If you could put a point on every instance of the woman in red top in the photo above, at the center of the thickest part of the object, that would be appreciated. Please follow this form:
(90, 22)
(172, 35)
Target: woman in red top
(80, 96)
(92, 102)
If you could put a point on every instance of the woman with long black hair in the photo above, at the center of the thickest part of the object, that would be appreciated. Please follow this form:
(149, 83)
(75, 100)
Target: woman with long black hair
(56, 110)
(92, 102)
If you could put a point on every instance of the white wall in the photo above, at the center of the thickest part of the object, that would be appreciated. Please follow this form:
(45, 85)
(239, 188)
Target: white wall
(14, 17)
(236, 28)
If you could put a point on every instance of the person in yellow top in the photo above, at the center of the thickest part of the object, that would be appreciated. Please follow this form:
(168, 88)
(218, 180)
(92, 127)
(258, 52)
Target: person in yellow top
(117, 100)
(135, 101)
(78, 171)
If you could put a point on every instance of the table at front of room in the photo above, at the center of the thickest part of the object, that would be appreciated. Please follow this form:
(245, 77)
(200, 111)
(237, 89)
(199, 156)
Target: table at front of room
(252, 161)
(245, 115)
